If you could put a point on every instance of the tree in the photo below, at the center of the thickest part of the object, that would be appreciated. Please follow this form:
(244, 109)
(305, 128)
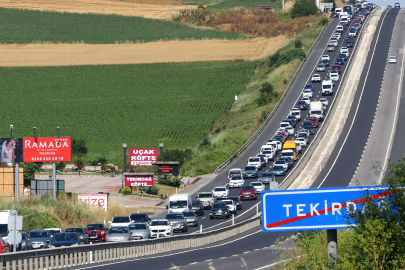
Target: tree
(29, 172)
(302, 8)
(79, 147)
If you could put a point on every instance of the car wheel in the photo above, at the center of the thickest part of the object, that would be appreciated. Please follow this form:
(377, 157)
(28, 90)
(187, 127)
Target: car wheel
(196, 224)
(211, 217)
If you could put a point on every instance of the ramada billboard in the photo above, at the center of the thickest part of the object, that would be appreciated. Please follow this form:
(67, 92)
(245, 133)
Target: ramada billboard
(49, 149)
(142, 156)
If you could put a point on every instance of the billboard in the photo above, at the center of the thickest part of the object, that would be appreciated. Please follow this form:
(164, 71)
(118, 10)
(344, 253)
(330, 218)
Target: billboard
(47, 149)
(139, 180)
(169, 167)
(97, 199)
(11, 150)
(142, 156)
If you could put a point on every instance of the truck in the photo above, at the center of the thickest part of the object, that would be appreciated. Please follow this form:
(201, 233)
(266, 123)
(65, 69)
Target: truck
(327, 87)
(290, 149)
(4, 214)
(179, 203)
(349, 10)
(316, 109)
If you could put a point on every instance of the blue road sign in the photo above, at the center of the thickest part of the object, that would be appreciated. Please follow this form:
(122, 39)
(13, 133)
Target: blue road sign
(312, 209)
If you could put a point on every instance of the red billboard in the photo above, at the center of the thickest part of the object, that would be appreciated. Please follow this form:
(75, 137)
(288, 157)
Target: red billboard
(142, 156)
(49, 149)
(138, 180)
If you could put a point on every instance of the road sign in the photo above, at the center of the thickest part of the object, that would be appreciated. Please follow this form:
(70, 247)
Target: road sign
(312, 209)
(14, 237)
(366, 31)
(326, 5)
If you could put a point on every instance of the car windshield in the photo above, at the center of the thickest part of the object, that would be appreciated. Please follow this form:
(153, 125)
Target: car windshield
(219, 189)
(234, 172)
(76, 230)
(139, 217)
(250, 168)
(236, 177)
(280, 161)
(24, 236)
(235, 199)
(254, 159)
(218, 205)
(189, 214)
(205, 195)
(301, 102)
(178, 204)
(278, 167)
(247, 188)
(65, 237)
(267, 152)
(195, 203)
(39, 234)
(227, 201)
(95, 227)
(267, 174)
(174, 216)
(316, 75)
(121, 220)
(137, 226)
(327, 86)
(159, 223)
(287, 154)
(256, 184)
(118, 229)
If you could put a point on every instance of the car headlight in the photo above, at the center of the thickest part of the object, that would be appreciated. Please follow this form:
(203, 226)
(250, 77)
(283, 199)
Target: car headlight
(23, 244)
(170, 211)
(102, 233)
(167, 230)
(81, 237)
(219, 211)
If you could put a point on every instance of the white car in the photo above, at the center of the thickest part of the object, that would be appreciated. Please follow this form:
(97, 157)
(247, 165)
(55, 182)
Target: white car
(307, 100)
(316, 78)
(344, 50)
(336, 35)
(296, 113)
(307, 93)
(259, 186)
(236, 181)
(301, 141)
(392, 60)
(333, 41)
(325, 57)
(255, 161)
(161, 227)
(120, 221)
(234, 171)
(334, 76)
(277, 145)
(263, 156)
(325, 102)
(290, 130)
(220, 192)
(269, 154)
(231, 206)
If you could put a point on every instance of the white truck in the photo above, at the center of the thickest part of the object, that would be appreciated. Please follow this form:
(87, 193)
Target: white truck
(327, 87)
(179, 203)
(316, 109)
(4, 214)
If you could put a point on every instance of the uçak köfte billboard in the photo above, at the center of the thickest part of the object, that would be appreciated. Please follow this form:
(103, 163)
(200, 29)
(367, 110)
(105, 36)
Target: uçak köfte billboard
(142, 156)
(47, 149)
(11, 150)
(138, 179)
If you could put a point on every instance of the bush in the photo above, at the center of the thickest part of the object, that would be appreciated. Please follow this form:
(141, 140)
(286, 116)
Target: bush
(298, 43)
(290, 55)
(169, 180)
(79, 147)
(126, 191)
(323, 21)
(39, 220)
(154, 190)
(266, 94)
(273, 59)
(302, 8)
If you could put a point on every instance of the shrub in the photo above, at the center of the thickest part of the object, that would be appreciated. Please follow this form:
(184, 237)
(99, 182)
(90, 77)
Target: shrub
(298, 43)
(169, 180)
(126, 191)
(39, 220)
(177, 155)
(302, 8)
(79, 163)
(154, 190)
(290, 55)
(323, 21)
(79, 147)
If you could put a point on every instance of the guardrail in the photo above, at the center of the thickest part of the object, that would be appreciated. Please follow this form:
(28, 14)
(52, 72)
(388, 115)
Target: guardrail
(229, 160)
(87, 254)
(327, 120)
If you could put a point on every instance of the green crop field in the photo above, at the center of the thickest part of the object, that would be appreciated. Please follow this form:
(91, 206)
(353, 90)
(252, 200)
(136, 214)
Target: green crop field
(142, 105)
(245, 3)
(30, 26)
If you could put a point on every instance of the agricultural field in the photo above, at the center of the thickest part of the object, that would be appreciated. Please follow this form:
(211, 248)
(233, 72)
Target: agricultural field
(142, 105)
(33, 26)
(245, 3)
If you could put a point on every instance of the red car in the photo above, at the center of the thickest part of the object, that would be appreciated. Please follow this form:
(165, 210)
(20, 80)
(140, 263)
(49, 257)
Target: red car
(247, 192)
(3, 246)
(282, 133)
(357, 21)
(96, 232)
(314, 121)
(337, 68)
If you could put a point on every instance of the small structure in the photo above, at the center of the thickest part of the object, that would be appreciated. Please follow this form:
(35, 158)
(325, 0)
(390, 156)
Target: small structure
(265, 7)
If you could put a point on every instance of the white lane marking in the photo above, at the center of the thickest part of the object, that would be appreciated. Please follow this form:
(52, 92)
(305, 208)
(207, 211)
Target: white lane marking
(357, 108)
(273, 264)
(395, 119)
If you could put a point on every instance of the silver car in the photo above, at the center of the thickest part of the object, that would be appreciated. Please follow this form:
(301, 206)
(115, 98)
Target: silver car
(139, 231)
(118, 234)
(192, 219)
(320, 68)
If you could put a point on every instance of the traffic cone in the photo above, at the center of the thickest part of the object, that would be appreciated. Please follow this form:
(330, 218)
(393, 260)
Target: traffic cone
(117, 185)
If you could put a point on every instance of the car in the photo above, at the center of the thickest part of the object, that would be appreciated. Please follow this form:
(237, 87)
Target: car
(279, 138)
(307, 100)
(290, 130)
(353, 31)
(25, 243)
(282, 163)
(191, 218)
(296, 113)
(247, 192)
(40, 238)
(96, 232)
(307, 93)
(270, 155)
(266, 177)
(206, 198)
(334, 76)
(320, 68)
(292, 121)
(81, 232)
(302, 105)
(219, 193)
(344, 25)
(120, 221)
(325, 63)
(118, 233)
(316, 78)
(288, 159)
(237, 202)
(139, 231)
(397, 5)
(255, 161)
(236, 181)
(259, 186)
(65, 239)
(339, 61)
(392, 60)
(324, 101)
(159, 228)
(304, 135)
(307, 124)
(263, 159)
(219, 210)
(3, 246)
(314, 121)
(337, 68)
(283, 133)
(333, 15)
(357, 20)
(343, 56)
(333, 41)
(330, 47)
(309, 86)
(277, 145)
(325, 57)
(301, 141)
(197, 207)
(54, 230)
(234, 171)
(349, 44)
(278, 170)
(139, 217)
(233, 209)
(177, 221)
(357, 26)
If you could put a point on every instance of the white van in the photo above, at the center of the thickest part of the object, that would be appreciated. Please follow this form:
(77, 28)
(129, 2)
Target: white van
(327, 87)
(179, 203)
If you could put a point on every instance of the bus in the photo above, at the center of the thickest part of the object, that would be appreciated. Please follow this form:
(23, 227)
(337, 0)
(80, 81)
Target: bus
(349, 10)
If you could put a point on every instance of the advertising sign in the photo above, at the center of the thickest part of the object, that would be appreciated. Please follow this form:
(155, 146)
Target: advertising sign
(142, 156)
(171, 167)
(49, 149)
(96, 199)
(11, 150)
(139, 180)
(312, 209)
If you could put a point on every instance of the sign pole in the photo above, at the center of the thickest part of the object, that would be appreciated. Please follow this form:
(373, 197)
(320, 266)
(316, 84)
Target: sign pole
(17, 181)
(331, 237)
(54, 179)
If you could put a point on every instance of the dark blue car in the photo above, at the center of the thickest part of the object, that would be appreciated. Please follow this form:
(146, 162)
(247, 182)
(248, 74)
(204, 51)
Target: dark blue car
(309, 86)
(340, 61)
(64, 239)
(278, 170)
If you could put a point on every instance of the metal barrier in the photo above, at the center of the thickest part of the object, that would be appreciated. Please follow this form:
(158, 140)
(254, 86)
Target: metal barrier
(103, 252)
(229, 160)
